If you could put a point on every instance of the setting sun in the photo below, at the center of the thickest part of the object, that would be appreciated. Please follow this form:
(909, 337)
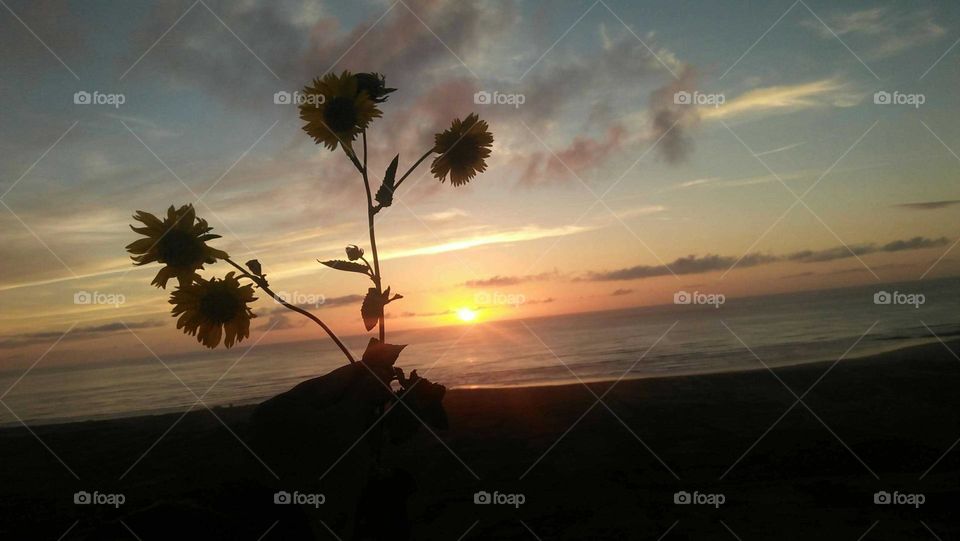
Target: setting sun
(466, 314)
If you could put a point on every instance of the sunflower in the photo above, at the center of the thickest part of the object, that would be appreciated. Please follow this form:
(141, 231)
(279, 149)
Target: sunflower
(375, 85)
(338, 112)
(209, 309)
(463, 150)
(179, 242)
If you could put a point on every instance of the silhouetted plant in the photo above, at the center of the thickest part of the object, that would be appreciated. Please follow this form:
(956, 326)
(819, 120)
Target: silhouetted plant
(338, 110)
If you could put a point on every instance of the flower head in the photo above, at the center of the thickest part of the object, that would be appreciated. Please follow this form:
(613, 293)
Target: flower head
(179, 241)
(375, 85)
(338, 111)
(214, 308)
(463, 150)
(354, 252)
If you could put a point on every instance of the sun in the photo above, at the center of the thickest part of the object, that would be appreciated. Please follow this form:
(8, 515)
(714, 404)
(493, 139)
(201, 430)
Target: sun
(466, 315)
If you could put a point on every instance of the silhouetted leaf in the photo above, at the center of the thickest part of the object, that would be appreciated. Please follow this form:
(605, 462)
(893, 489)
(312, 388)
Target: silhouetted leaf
(385, 193)
(372, 308)
(379, 354)
(254, 267)
(348, 266)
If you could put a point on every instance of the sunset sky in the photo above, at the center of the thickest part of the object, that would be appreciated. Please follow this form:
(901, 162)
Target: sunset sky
(602, 192)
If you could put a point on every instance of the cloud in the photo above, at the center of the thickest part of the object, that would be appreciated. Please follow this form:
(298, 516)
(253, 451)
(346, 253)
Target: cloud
(693, 264)
(582, 154)
(500, 281)
(843, 252)
(885, 32)
(929, 205)
(620, 292)
(501, 237)
(445, 215)
(671, 121)
(785, 99)
(79, 333)
(684, 265)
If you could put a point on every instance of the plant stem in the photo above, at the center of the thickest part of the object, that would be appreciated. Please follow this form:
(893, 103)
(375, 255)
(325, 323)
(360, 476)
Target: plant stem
(414, 166)
(262, 284)
(373, 236)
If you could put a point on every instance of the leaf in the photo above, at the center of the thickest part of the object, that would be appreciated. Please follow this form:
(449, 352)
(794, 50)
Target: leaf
(372, 308)
(348, 266)
(385, 193)
(254, 267)
(380, 355)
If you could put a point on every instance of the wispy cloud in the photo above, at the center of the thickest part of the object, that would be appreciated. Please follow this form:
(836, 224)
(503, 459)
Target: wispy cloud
(785, 99)
(885, 32)
(500, 280)
(522, 234)
(929, 205)
(693, 264)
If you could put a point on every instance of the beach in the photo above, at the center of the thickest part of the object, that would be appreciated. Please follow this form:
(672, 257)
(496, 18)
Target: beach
(754, 462)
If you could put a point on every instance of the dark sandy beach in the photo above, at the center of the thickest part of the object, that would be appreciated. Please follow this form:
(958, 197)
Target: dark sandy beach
(883, 423)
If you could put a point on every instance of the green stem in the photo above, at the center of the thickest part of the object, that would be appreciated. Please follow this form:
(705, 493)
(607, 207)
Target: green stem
(262, 284)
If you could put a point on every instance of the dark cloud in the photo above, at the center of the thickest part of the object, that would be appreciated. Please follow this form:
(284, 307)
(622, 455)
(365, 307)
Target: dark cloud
(684, 265)
(501, 281)
(693, 264)
(672, 121)
(79, 332)
(929, 205)
(843, 252)
(621, 291)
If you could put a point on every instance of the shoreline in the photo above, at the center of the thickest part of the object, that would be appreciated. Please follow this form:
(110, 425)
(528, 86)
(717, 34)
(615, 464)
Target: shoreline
(248, 406)
(885, 422)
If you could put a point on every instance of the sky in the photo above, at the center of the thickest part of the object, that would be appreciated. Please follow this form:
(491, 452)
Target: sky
(641, 148)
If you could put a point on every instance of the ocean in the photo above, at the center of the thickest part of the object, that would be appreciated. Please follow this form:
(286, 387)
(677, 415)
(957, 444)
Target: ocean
(656, 341)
